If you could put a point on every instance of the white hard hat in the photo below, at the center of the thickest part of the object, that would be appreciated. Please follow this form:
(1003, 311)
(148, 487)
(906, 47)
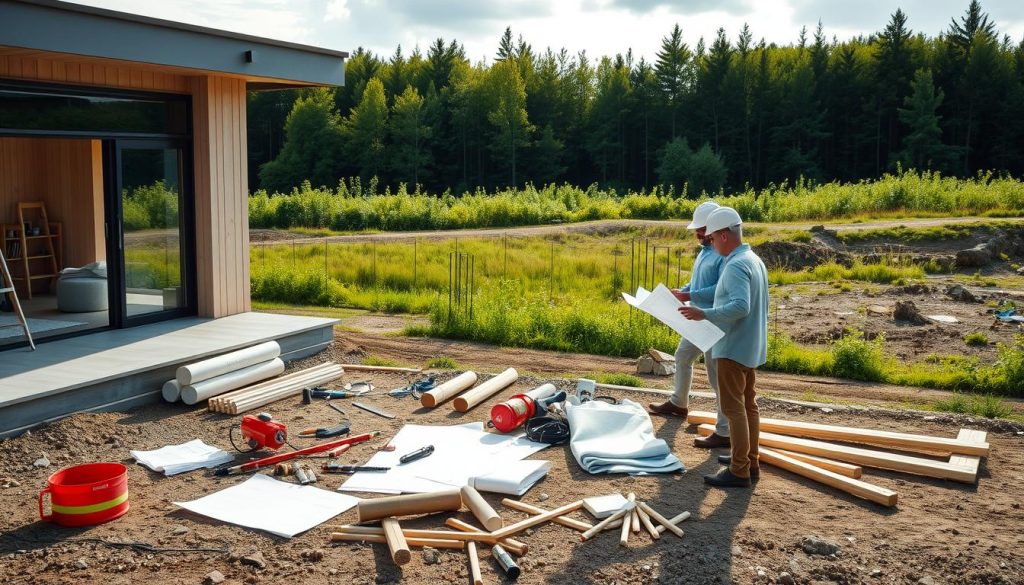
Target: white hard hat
(722, 218)
(700, 215)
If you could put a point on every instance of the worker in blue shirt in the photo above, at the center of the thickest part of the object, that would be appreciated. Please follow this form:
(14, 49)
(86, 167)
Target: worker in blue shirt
(700, 292)
(740, 310)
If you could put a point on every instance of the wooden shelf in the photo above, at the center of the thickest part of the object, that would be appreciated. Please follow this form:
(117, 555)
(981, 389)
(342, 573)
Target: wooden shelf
(33, 237)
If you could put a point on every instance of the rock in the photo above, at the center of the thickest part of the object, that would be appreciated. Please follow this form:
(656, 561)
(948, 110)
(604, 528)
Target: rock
(314, 555)
(431, 556)
(1020, 270)
(797, 255)
(828, 410)
(664, 369)
(794, 567)
(81, 564)
(786, 579)
(975, 257)
(179, 530)
(959, 293)
(876, 573)
(926, 580)
(644, 364)
(254, 560)
(816, 545)
(213, 578)
(543, 497)
(736, 551)
(43, 461)
(907, 311)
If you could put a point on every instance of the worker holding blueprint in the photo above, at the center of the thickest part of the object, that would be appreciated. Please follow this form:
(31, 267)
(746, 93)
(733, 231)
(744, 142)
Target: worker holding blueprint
(741, 310)
(701, 293)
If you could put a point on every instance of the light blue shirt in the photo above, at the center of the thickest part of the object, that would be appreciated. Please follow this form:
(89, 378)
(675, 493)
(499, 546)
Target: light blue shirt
(704, 277)
(741, 309)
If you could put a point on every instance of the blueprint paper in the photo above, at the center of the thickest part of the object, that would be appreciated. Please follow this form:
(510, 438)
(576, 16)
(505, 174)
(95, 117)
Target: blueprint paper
(174, 459)
(460, 452)
(664, 306)
(264, 503)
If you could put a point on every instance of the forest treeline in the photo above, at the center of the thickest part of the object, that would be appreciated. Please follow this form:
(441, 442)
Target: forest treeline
(731, 113)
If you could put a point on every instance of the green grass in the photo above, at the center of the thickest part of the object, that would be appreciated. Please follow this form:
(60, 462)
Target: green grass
(383, 362)
(443, 363)
(976, 339)
(618, 379)
(984, 405)
(913, 235)
(352, 207)
(886, 272)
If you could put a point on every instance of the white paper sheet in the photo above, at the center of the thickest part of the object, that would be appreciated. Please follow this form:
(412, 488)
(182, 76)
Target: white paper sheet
(460, 452)
(174, 459)
(664, 306)
(264, 503)
(513, 478)
(604, 506)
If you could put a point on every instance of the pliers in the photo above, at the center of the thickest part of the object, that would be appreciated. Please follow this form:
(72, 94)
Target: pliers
(325, 432)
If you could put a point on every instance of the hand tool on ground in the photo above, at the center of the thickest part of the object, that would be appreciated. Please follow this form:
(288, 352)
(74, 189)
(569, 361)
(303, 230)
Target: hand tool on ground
(304, 475)
(373, 409)
(359, 388)
(325, 432)
(335, 468)
(260, 431)
(417, 454)
(506, 562)
(338, 451)
(273, 459)
(414, 389)
(308, 394)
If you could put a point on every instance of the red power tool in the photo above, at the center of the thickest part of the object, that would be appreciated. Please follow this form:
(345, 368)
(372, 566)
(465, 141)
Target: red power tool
(263, 431)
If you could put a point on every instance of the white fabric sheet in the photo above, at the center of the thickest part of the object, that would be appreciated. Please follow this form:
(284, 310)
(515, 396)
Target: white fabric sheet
(664, 306)
(460, 452)
(174, 459)
(278, 507)
(617, 438)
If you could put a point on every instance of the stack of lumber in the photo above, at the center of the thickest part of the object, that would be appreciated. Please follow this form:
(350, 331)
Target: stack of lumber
(804, 448)
(264, 393)
(201, 380)
(466, 537)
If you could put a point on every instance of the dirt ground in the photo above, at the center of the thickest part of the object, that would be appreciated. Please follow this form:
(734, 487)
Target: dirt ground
(941, 532)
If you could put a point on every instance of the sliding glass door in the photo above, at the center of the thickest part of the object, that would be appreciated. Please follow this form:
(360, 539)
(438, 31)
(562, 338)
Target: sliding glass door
(152, 231)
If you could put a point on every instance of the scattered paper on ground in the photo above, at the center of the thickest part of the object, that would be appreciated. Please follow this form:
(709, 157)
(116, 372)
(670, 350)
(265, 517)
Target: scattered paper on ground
(174, 459)
(264, 503)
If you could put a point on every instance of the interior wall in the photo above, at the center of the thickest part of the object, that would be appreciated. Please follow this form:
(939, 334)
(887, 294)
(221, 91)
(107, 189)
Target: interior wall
(67, 175)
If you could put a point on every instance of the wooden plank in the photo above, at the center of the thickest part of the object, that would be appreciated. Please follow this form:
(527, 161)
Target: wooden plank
(535, 520)
(865, 457)
(856, 487)
(969, 463)
(902, 441)
(854, 471)
(563, 520)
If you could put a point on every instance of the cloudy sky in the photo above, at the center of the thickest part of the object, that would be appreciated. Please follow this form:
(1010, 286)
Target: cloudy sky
(600, 27)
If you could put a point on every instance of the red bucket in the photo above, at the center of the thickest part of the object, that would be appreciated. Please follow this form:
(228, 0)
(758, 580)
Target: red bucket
(85, 495)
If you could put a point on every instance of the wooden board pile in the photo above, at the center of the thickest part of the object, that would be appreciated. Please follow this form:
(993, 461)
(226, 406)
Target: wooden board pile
(466, 537)
(252, 397)
(803, 448)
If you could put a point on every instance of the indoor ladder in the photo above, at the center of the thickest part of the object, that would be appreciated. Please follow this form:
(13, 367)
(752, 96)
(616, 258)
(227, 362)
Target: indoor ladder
(7, 288)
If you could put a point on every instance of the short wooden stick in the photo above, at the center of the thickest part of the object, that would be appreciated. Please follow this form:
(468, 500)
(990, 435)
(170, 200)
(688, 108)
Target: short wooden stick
(626, 524)
(678, 518)
(474, 563)
(538, 519)
(380, 539)
(481, 509)
(396, 541)
(516, 547)
(646, 521)
(634, 517)
(415, 533)
(531, 509)
(620, 515)
(661, 519)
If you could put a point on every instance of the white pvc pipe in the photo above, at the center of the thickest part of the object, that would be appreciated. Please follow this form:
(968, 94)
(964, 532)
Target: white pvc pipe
(229, 362)
(199, 391)
(171, 391)
(542, 391)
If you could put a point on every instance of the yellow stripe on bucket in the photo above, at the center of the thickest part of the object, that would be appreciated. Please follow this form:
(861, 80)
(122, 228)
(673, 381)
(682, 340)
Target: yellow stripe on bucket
(92, 508)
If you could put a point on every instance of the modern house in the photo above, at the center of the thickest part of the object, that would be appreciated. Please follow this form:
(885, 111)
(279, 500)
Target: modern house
(123, 151)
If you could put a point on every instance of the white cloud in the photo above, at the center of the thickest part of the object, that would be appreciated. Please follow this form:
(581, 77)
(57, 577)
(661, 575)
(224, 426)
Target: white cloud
(337, 10)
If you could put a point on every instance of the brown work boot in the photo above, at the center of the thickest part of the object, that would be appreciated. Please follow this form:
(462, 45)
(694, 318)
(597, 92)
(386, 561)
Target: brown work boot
(713, 441)
(755, 469)
(668, 409)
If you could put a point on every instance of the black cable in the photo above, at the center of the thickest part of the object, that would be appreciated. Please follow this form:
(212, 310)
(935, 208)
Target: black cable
(231, 437)
(547, 429)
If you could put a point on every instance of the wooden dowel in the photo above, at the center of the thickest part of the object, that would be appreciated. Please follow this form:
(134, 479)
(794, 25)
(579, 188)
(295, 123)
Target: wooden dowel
(221, 403)
(516, 547)
(531, 509)
(538, 519)
(448, 390)
(366, 368)
(481, 509)
(634, 517)
(396, 541)
(474, 563)
(485, 390)
(621, 514)
(660, 519)
(627, 523)
(646, 521)
(675, 520)
(443, 501)
(380, 539)
(416, 533)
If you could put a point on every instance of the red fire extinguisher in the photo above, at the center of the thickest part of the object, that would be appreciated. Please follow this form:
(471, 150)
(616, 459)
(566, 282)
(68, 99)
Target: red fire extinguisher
(509, 415)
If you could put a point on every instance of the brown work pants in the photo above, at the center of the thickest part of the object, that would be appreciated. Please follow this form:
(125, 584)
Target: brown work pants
(736, 392)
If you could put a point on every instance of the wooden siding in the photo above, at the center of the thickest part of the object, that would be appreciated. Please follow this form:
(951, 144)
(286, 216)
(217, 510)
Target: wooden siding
(221, 179)
(67, 175)
(91, 72)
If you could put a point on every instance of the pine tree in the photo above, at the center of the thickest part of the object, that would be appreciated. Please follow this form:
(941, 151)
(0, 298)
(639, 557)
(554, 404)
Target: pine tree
(312, 147)
(410, 135)
(508, 116)
(365, 131)
(674, 71)
(922, 146)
